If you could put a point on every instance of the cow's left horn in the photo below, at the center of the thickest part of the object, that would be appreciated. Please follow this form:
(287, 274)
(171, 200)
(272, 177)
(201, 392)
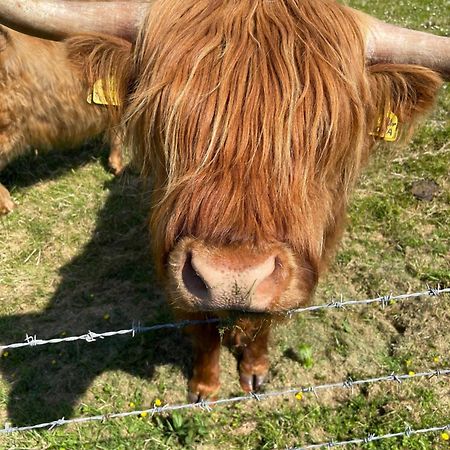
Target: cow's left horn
(58, 19)
(387, 43)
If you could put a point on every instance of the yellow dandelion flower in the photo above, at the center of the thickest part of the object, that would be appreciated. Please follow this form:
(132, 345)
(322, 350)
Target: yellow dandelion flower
(144, 414)
(5, 354)
(132, 405)
(298, 395)
(436, 359)
(411, 373)
(158, 402)
(408, 362)
(106, 316)
(445, 436)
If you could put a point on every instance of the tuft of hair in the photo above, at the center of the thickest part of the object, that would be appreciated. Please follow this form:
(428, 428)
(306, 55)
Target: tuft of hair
(407, 90)
(104, 59)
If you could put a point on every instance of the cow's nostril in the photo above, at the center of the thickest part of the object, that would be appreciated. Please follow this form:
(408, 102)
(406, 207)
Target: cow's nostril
(193, 282)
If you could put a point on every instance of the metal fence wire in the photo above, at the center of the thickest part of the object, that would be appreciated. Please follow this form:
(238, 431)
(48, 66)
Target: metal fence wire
(207, 405)
(384, 301)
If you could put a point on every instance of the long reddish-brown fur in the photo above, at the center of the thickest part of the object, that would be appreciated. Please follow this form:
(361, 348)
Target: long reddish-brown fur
(253, 119)
(258, 104)
(43, 102)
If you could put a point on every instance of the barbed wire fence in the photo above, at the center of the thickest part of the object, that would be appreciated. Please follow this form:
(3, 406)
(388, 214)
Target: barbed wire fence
(207, 405)
(383, 301)
(136, 328)
(373, 437)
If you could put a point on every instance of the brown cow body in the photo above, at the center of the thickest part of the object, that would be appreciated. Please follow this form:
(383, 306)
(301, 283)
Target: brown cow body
(43, 103)
(253, 120)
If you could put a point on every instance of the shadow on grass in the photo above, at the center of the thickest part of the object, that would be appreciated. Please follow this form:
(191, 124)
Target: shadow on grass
(31, 168)
(107, 286)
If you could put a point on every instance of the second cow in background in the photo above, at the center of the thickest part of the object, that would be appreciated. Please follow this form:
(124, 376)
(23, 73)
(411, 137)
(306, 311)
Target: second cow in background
(43, 103)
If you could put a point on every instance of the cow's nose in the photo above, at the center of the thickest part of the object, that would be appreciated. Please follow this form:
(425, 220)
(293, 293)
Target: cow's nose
(231, 282)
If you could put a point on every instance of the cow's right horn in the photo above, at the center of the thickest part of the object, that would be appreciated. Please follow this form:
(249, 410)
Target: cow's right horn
(386, 43)
(58, 19)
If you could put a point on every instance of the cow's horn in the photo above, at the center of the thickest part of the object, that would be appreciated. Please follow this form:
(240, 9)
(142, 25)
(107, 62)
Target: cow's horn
(387, 43)
(58, 19)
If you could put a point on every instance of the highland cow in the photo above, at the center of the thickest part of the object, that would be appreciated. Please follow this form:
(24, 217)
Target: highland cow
(252, 119)
(43, 103)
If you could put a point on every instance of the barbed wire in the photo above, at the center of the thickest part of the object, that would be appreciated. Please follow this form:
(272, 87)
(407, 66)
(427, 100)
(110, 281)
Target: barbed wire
(136, 328)
(384, 300)
(206, 405)
(92, 336)
(372, 437)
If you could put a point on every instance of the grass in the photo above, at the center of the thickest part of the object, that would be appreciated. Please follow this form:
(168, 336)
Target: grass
(74, 257)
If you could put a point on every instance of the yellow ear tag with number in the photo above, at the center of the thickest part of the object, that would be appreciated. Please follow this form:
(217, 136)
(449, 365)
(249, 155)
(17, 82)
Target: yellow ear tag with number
(98, 95)
(391, 133)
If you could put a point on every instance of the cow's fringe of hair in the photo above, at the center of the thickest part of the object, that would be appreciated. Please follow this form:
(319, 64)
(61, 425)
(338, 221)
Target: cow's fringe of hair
(242, 105)
(253, 80)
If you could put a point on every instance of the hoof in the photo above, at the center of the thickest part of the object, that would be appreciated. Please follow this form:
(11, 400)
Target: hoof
(199, 392)
(195, 397)
(251, 382)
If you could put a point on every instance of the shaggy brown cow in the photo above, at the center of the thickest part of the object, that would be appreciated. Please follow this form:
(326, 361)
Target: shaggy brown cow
(253, 119)
(43, 103)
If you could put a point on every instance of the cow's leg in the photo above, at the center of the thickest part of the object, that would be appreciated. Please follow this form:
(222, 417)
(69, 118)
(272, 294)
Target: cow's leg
(115, 159)
(252, 340)
(205, 377)
(6, 203)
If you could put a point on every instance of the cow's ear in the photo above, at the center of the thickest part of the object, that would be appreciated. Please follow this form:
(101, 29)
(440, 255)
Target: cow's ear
(106, 64)
(407, 91)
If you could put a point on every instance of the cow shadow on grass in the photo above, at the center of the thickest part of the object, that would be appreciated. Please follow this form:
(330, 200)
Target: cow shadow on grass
(106, 287)
(31, 168)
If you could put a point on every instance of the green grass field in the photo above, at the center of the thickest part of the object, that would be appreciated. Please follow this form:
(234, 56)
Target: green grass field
(74, 257)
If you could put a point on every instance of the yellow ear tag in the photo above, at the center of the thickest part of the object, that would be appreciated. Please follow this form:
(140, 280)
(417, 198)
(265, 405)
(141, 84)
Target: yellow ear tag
(98, 95)
(391, 133)
(391, 128)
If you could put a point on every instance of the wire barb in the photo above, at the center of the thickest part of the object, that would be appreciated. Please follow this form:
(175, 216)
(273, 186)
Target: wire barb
(348, 383)
(433, 292)
(31, 340)
(408, 431)
(369, 438)
(204, 405)
(255, 396)
(386, 300)
(136, 328)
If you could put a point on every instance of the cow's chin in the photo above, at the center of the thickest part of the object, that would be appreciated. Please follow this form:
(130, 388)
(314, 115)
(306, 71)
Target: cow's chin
(237, 280)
